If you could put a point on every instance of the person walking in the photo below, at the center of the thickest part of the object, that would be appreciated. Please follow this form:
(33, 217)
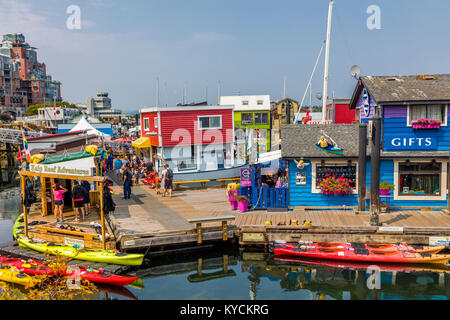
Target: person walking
(168, 179)
(78, 194)
(127, 180)
(58, 192)
(110, 161)
(118, 164)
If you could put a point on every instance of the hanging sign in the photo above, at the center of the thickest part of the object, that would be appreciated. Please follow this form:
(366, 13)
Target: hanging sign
(410, 142)
(246, 177)
(366, 103)
(80, 167)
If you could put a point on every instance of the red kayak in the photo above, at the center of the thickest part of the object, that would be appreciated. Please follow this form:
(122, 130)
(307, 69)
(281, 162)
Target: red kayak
(360, 255)
(368, 246)
(33, 267)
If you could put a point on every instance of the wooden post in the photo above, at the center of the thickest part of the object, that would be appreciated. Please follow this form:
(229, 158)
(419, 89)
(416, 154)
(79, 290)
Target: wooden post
(52, 182)
(44, 197)
(102, 216)
(73, 202)
(225, 262)
(25, 214)
(375, 172)
(199, 233)
(362, 160)
(225, 230)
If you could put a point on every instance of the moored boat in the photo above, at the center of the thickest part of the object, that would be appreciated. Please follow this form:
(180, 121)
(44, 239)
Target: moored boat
(12, 275)
(96, 255)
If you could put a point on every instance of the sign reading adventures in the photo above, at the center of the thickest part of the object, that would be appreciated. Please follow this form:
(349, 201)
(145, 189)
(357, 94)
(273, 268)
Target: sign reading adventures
(80, 167)
(410, 142)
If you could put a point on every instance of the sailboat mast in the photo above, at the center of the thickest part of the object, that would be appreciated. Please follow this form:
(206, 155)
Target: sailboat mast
(327, 56)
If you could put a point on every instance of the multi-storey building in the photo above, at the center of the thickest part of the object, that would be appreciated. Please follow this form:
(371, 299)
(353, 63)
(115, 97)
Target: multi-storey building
(23, 80)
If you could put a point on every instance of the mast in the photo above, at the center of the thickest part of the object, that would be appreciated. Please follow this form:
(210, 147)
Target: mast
(327, 55)
(218, 93)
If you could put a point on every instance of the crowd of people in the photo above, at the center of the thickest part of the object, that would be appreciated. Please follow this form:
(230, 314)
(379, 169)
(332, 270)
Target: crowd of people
(80, 196)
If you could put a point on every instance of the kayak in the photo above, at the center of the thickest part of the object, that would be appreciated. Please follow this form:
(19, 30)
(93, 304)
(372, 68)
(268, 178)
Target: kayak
(33, 267)
(366, 265)
(96, 255)
(18, 226)
(369, 246)
(360, 255)
(331, 149)
(13, 275)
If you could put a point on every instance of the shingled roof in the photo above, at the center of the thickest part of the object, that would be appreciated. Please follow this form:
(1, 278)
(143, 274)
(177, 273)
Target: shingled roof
(300, 140)
(394, 89)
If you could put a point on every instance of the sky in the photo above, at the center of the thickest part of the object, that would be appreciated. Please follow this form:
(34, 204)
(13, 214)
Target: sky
(250, 46)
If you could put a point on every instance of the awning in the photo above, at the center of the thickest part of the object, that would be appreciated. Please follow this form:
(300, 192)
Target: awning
(269, 156)
(142, 142)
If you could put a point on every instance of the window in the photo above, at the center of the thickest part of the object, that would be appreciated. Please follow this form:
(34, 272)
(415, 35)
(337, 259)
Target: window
(430, 111)
(339, 170)
(259, 102)
(210, 122)
(245, 102)
(261, 118)
(146, 124)
(420, 179)
(156, 122)
(246, 118)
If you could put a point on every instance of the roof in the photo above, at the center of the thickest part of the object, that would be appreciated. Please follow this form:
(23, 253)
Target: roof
(55, 135)
(185, 108)
(83, 124)
(300, 140)
(70, 156)
(396, 89)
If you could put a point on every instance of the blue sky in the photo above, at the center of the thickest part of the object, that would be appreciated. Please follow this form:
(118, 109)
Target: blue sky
(248, 45)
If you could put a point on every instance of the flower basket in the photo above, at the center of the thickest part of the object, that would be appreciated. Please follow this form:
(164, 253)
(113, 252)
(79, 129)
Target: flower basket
(385, 192)
(385, 188)
(232, 195)
(337, 186)
(243, 204)
(426, 124)
(234, 205)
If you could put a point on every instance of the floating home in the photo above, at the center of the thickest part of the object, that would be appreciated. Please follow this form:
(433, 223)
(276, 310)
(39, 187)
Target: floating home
(415, 141)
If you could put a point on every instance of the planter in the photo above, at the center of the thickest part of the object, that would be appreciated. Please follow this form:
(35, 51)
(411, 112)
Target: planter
(234, 205)
(426, 126)
(243, 206)
(385, 192)
(232, 195)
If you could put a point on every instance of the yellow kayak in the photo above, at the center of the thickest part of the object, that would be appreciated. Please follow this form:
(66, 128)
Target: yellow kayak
(14, 276)
(96, 255)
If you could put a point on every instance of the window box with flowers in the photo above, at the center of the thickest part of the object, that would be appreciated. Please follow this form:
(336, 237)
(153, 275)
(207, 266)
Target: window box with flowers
(426, 124)
(337, 186)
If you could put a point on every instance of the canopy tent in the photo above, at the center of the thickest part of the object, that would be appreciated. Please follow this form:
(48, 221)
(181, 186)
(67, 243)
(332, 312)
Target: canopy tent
(142, 142)
(123, 140)
(84, 125)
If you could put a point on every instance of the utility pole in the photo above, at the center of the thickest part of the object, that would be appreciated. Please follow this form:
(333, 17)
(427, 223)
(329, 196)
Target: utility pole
(327, 58)
(375, 172)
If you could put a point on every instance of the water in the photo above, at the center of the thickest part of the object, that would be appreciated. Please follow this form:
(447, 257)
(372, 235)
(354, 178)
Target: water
(228, 274)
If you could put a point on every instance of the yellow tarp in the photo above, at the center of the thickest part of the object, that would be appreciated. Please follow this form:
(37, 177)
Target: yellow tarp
(142, 142)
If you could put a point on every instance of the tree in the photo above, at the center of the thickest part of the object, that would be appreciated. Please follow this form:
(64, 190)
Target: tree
(33, 109)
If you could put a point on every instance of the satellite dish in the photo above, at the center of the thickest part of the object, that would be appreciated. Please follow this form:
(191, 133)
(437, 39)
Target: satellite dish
(355, 71)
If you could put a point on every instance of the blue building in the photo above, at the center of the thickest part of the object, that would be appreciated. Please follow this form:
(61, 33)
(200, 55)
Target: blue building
(415, 143)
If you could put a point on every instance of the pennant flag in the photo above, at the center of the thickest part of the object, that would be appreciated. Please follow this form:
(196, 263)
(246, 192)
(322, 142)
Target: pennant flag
(25, 146)
(19, 155)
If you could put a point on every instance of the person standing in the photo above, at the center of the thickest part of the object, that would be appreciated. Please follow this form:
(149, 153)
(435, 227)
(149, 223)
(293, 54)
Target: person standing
(127, 180)
(168, 179)
(110, 161)
(78, 194)
(118, 164)
(58, 192)
(87, 200)
(149, 166)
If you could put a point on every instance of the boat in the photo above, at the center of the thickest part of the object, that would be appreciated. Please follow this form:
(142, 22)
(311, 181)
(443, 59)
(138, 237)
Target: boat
(96, 255)
(196, 175)
(365, 265)
(330, 148)
(12, 275)
(33, 267)
(360, 255)
(369, 246)
(18, 226)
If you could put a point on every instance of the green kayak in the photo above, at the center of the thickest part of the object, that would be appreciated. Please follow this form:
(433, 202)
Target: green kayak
(18, 226)
(96, 255)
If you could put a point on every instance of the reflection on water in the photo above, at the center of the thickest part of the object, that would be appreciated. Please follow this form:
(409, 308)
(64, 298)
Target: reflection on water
(226, 273)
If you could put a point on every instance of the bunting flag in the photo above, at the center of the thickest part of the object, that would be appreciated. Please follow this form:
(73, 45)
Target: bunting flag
(25, 146)
(19, 155)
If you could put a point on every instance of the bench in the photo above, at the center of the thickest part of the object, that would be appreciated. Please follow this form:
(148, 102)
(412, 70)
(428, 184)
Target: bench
(223, 181)
(198, 222)
(202, 183)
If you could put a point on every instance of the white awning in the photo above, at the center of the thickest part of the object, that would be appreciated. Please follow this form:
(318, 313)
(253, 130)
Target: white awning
(269, 156)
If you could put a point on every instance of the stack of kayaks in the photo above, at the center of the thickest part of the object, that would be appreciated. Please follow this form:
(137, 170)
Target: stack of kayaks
(382, 253)
(32, 267)
(96, 255)
(18, 227)
(13, 275)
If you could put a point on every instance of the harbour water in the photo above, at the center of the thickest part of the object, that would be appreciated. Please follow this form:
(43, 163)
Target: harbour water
(230, 274)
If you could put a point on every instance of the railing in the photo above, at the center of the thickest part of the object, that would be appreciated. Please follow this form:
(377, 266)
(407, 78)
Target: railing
(265, 197)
